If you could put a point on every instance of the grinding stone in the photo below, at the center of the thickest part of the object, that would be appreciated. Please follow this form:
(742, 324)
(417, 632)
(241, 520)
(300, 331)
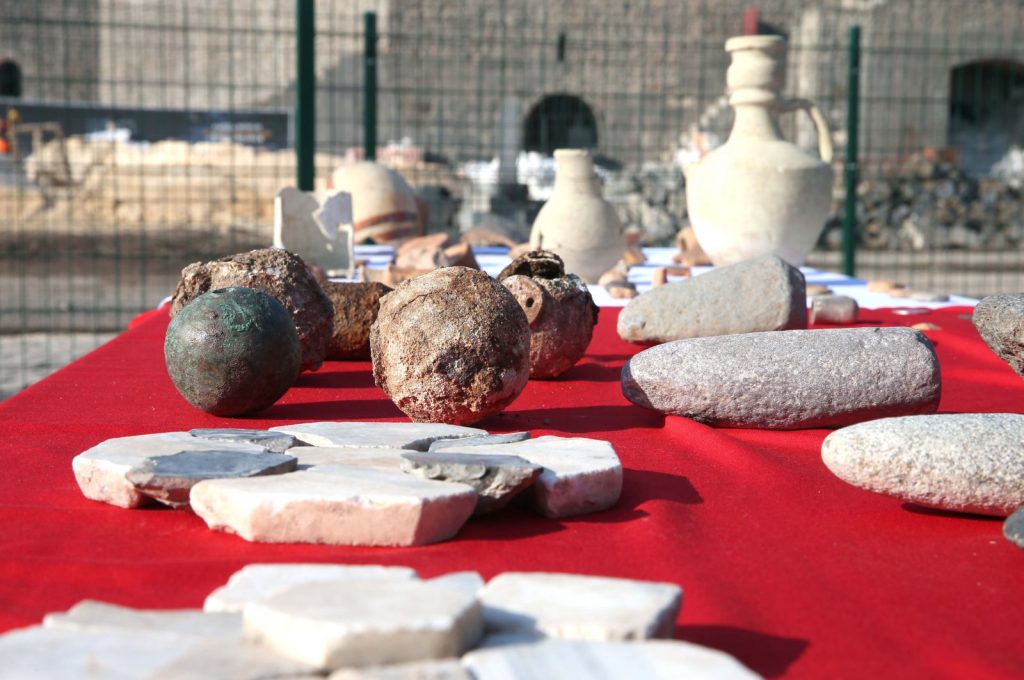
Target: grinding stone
(966, 462)
(788, 379)
(762, 294)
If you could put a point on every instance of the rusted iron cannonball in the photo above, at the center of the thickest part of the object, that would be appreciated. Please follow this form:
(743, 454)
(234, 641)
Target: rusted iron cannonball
(232, 351)
(355, 310)
(451, 346)
(561, 312)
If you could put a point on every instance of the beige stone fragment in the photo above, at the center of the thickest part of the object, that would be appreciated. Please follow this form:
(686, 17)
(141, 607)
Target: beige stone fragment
(926, 326)
(900, 293)
(818, 289)
(360, 624)
(100, 471)
(650, 660)
(884, 286)
(415, 436)
(91, 615)
(659, 277)
(574, 607)
(441, 669)
(580, 475)
(378, 507)
(621, 290)
(255, 582)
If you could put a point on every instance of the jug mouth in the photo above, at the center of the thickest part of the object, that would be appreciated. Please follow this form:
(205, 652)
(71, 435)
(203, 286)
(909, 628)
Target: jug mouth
(770, 43)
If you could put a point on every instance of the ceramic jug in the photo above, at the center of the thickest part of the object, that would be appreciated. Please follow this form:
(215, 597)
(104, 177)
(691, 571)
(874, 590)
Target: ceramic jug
(758, 194)
(576, 222)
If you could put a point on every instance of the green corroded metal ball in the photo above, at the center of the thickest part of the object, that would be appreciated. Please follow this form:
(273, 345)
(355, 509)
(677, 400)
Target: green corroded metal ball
(232, 351)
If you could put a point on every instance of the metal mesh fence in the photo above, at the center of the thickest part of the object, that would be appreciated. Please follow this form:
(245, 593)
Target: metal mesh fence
(142, 135)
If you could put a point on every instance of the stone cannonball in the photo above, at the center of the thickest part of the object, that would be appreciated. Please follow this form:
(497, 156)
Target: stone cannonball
(451, 346)
(232, 351)
(561, 312)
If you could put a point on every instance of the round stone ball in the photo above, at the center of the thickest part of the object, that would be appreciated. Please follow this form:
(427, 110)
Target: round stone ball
(232, 351)
(451, 346)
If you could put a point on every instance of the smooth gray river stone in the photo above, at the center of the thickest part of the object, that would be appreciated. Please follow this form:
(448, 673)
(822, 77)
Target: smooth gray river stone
(965, 462)
(482, 440)
(1000, 320)
(790, 379)
(169, 479)
(275, 442)
(763, 294)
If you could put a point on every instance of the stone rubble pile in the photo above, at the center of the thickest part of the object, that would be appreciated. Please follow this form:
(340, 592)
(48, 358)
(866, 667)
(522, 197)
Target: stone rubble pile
(393, 484)
(926, 202)
(365, 621)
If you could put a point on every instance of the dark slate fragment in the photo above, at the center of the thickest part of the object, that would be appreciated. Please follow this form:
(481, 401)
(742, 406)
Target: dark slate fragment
(275, 442)
(482, 440)
(496, 478)
(1013, 528)
(169, 479)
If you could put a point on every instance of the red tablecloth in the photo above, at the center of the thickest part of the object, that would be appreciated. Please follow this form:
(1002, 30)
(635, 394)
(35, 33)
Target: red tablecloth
(783, 565)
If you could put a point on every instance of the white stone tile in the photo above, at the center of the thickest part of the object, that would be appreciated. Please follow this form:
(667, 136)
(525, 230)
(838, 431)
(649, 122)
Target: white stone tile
(39, 653)
(365, 623)
(255, 582)
(415, 436)
(577, 607)
(336, 505)
(580, 475)
(466, 581)
(443, 669)
(235, 660)
(650, 660)
(91, 615)
(100, 471)
(309, 456)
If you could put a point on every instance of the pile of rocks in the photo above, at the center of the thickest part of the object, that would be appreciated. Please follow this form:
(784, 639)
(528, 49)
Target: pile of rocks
(378, 622)
(926, 202)
(650, 198)
(396, 484)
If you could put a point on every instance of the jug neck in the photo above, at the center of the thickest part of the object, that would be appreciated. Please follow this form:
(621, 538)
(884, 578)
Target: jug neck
(574, 172)
(756, 120)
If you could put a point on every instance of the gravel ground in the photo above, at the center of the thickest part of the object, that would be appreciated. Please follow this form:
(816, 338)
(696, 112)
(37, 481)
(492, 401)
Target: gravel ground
(28, 357)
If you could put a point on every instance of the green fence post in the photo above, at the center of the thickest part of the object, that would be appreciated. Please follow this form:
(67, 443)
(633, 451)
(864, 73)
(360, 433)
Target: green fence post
(370, 85)
(850, 166)
(305, 94)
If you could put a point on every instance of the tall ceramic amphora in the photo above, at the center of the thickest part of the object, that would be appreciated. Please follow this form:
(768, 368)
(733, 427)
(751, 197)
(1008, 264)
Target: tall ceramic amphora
(576, 222)
(758, 194)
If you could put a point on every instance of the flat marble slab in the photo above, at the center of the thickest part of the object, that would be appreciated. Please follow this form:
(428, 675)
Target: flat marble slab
(379, 507)
(414, 436)
(650, 660)
(581, 607)
(100, 471)
(335, 624)
(580, 475)
(255, 582)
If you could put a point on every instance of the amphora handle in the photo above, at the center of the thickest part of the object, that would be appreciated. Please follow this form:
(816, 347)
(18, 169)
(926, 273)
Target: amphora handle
(824, 134)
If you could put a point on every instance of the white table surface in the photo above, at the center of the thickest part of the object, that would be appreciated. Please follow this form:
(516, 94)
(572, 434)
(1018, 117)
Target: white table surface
(493, 260)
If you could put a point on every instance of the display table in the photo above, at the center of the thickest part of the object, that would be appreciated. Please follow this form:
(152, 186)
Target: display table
(783, 565)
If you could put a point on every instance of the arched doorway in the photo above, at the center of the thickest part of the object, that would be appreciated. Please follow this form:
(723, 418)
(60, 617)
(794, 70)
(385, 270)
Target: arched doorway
(560, 121)
(986, 111)
(10, 79)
